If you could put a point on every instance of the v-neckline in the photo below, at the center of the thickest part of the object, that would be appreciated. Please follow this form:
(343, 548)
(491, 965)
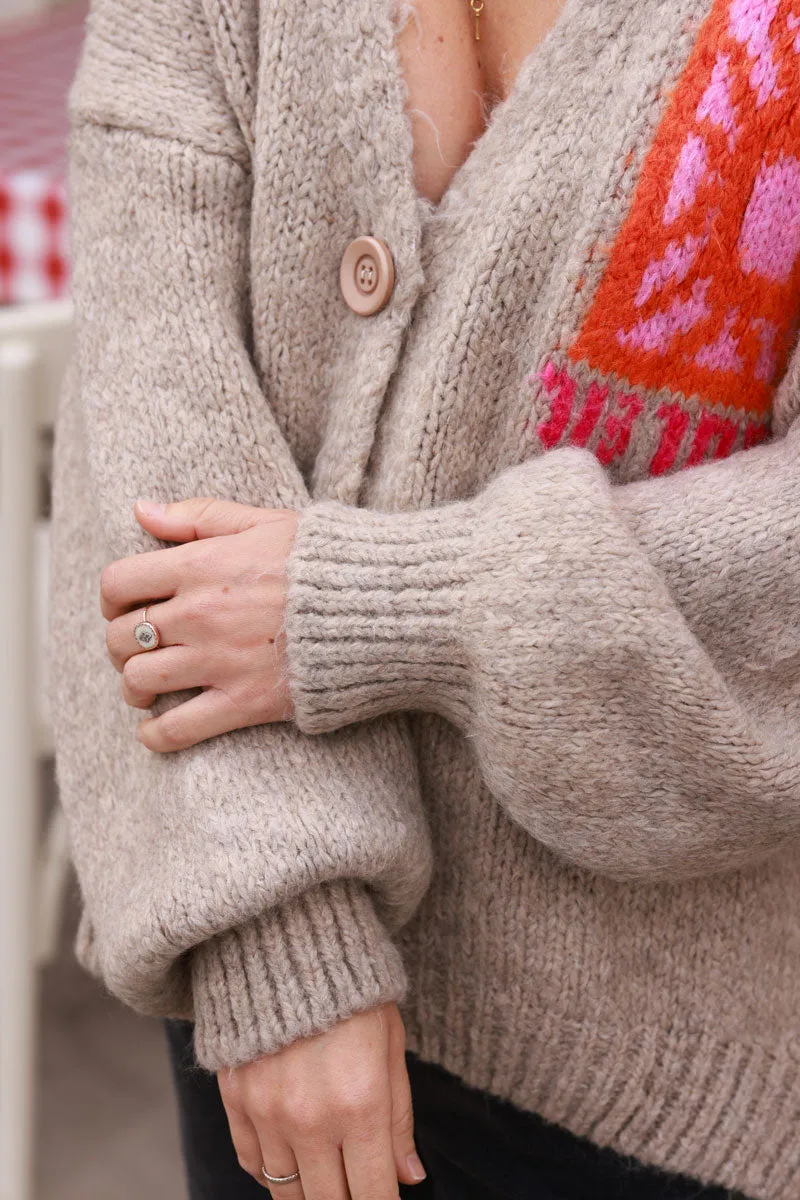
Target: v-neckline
(498, 115)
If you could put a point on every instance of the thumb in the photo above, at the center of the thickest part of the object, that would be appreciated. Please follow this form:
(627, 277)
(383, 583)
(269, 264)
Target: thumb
(407, 1162)
(200, 517)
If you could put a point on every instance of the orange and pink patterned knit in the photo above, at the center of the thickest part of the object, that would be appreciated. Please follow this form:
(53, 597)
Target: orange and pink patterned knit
(700, 294)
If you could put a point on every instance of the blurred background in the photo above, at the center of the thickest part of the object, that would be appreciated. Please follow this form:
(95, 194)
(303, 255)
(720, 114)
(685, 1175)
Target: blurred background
(86, 1111)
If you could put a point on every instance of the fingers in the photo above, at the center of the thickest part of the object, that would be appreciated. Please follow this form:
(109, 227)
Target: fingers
(325, 1172)
(121, 643)
(141, 578)
(172, 669)
(370, 1166)
(199, 517)
(247, 1144)
(277, 1157)
(327, 1104)
(322, 1175)
(204, 716)
(157, 574)
(407, 1162)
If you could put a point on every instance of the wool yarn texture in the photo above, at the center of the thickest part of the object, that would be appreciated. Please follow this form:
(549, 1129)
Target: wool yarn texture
(543, 783)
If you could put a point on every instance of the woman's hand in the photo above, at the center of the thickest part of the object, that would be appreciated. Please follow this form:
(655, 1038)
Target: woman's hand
(336, 1108)
(218, 603)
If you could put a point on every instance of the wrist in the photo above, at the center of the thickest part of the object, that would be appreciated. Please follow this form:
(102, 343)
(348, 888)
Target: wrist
(375, 614)
(292, 972)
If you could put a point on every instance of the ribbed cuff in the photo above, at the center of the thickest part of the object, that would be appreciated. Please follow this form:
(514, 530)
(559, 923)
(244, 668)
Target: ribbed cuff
(293, 972)
(374, 613)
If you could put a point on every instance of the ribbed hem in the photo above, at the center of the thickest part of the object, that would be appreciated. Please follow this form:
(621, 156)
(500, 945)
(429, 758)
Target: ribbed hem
(293, 972)
(685, 1101)
(373, 617)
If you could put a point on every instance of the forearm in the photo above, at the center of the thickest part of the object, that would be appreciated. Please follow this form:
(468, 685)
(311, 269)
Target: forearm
(260, 835)
(185, 859)
(619, 656)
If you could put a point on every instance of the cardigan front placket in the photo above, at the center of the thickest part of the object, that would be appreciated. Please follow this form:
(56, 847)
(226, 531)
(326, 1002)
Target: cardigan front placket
(535, 208)
(337, 159)
(483, 283)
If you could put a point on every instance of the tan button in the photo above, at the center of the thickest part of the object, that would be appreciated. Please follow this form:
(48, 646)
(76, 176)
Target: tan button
(366, 275)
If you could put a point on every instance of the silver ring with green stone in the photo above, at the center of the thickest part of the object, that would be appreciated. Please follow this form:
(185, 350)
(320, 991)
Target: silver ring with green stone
(146, 634)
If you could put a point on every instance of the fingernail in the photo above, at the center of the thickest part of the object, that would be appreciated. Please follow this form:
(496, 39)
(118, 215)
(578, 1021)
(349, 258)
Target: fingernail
(415, 1168)
(151, 508)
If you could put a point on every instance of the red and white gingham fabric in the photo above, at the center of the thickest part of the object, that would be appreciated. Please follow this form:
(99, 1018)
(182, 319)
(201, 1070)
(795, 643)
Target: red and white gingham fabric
(38, 58)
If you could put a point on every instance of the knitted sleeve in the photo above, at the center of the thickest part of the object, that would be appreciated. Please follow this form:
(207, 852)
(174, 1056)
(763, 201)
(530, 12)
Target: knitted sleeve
(625, 659)
(252, 882)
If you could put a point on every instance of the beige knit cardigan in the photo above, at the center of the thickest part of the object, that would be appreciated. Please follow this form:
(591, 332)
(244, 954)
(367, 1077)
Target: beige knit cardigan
(543, 784)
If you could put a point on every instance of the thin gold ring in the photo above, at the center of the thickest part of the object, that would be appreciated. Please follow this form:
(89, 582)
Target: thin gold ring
(280, 1178)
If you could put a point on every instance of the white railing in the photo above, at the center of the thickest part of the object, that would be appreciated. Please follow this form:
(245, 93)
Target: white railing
(34, 345)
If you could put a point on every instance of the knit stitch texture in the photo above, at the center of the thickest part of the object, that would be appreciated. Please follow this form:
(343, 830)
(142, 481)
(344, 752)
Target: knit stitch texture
(543, 785)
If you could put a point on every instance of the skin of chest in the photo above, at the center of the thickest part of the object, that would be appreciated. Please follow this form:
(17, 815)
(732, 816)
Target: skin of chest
(454, 80)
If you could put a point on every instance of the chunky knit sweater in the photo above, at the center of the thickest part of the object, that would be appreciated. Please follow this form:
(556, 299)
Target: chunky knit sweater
(543, 784)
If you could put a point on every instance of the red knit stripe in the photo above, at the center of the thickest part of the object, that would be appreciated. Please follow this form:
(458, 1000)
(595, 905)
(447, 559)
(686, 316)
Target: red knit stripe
(702, 286)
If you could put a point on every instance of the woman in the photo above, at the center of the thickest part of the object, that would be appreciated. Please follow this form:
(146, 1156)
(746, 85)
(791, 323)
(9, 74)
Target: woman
(422, 355)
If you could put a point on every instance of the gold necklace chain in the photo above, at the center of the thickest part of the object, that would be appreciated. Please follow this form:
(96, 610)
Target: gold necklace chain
(477, 8)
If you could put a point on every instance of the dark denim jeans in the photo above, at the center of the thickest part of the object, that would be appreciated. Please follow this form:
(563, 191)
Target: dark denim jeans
(474, 1147)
